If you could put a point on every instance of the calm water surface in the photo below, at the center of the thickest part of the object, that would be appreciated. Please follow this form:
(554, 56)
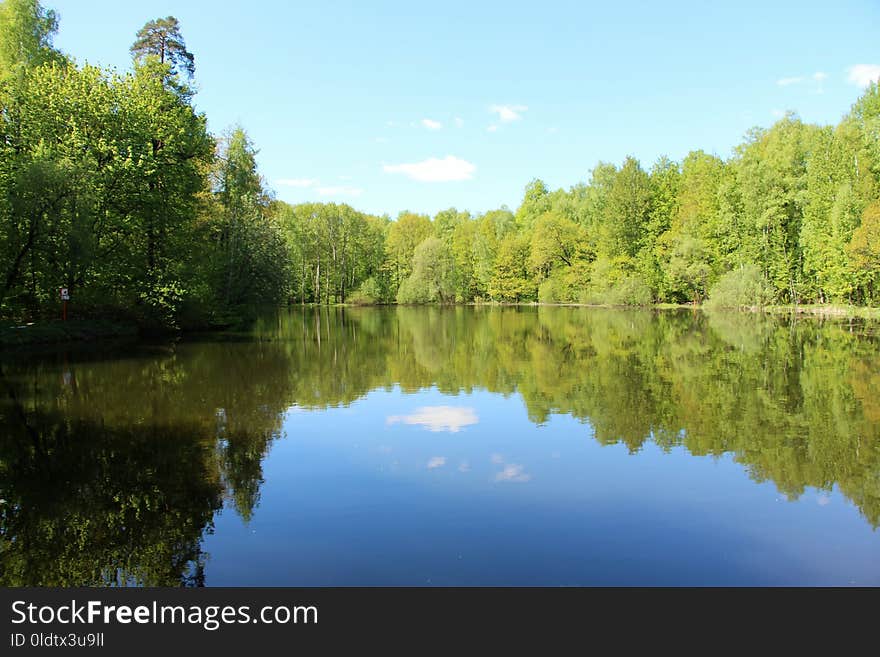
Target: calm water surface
(461, 446)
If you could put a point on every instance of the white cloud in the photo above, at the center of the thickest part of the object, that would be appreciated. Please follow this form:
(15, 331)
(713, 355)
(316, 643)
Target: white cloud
(492, 128)
(433, 169)
(815, 80)
(459, 122)
(778, 113)
(346, 178)
(340, 191)
(430, 124)
(438, 418)
(785, 82)
(496, 458)
(508, 113)
(297, 182)
(513, 472)
(381, 140)
(864, 74)
(818, 76)
(436, 462)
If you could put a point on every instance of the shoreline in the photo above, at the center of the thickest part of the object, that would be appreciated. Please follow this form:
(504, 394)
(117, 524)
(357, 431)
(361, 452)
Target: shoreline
(55, 332)
(814, 310)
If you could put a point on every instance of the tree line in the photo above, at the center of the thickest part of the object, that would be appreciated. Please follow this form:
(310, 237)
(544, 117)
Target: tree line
(792, 217)
(112, 186)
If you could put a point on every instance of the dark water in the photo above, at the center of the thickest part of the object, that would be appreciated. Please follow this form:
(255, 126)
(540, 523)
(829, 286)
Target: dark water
(551, 446)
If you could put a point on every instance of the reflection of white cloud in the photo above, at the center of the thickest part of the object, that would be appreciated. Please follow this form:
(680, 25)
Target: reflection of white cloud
(513, 472)
(438, 418)
(436, 462)
(823, 500)
(510, 471)
(464, 466)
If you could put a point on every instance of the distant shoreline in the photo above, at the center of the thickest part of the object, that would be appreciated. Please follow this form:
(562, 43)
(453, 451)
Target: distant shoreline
(85, 330)
(828, 310)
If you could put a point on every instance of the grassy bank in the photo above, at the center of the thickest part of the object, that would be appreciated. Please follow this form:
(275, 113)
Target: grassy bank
(56, 332)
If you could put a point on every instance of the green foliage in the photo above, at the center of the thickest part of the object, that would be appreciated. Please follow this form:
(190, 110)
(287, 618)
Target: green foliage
(26, 31)
(744, 287)
(864, 251)
(369, 293)
(433, 275)
(403, 236)
(249, 262)
(557, 242)
(631, 291)
(332, 249)
(627, 211)
(112, 186)
(611, 284)
(688, 271)
(536, 201)
(511, 281)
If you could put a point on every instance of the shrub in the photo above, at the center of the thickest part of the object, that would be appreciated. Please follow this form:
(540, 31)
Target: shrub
(745, 287)
(551, 291)
(610, 284)
(631, 291)
(369, 293)
(412, 291)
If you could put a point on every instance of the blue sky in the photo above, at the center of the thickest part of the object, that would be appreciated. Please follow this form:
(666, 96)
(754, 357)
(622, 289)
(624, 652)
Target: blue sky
(408, 105)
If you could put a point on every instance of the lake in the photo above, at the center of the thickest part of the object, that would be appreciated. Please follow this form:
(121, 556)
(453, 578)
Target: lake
(449, 446)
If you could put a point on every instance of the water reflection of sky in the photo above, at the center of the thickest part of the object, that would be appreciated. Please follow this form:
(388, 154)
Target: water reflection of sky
(428, 488)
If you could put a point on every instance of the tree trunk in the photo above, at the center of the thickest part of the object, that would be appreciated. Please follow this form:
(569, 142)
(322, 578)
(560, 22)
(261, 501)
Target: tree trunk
(318, 281)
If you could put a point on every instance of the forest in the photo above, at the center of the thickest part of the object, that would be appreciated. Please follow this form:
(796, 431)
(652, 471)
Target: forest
(112, 186)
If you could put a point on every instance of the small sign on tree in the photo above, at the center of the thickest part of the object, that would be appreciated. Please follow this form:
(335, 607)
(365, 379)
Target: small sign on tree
(64, 293)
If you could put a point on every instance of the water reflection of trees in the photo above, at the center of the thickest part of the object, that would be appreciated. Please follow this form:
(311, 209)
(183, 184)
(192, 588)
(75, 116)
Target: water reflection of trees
(113, 468)
(796, 402)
